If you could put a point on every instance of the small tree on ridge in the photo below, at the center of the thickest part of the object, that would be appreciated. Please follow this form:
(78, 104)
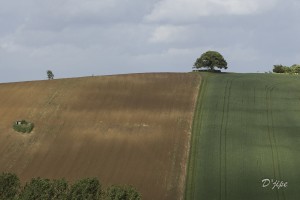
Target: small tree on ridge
(50, 74)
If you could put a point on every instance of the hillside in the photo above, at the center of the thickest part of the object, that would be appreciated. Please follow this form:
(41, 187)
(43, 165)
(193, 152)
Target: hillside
(124, 129)
(246, 129)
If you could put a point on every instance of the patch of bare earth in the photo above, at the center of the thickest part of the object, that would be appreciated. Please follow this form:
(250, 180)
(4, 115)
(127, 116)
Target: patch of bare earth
(124, 129)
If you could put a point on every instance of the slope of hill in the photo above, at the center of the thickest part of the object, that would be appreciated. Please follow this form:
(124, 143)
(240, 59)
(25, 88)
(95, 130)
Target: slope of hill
(124, 129)
(246, 129)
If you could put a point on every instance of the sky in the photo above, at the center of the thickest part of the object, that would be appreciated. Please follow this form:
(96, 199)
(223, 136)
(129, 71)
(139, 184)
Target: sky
(76, 38)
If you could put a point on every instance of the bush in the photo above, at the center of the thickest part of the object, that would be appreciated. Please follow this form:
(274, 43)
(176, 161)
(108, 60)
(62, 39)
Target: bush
(9, 186)
(24, 127)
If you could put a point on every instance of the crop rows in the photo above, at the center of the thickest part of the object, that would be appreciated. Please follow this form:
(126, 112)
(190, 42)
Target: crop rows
(246, 129)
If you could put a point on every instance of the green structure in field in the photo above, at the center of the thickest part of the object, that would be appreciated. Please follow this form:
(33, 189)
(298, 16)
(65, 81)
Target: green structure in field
(23, 126)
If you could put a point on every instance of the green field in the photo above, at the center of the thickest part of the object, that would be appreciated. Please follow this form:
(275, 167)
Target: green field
(246, 128)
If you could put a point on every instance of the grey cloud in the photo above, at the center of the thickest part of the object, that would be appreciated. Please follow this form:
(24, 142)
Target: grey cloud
(185, 11)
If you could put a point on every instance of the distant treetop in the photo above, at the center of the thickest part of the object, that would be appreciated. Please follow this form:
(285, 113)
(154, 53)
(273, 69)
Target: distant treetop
(294, 69)
(50, 75)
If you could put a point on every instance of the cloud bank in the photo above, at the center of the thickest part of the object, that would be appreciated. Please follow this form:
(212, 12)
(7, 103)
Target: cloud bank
(81, 38)
(191, 10)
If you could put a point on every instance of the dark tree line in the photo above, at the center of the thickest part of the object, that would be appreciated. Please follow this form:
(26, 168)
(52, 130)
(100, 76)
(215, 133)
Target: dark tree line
(59, 189)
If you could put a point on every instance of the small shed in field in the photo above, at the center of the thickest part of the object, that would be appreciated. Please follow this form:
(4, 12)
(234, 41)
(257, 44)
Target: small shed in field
(18, 122)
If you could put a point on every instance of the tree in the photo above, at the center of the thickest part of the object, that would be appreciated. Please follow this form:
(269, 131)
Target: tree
(287, 69)
(50, 75)
(60, 189)
(37, 188)
(88, 188)
(295, 68)
(278, 69)
(9, 186)
(210, 60)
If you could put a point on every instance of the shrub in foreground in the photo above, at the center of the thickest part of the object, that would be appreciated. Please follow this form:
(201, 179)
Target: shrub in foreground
(9, 186)
(37, 188)
(88, 188)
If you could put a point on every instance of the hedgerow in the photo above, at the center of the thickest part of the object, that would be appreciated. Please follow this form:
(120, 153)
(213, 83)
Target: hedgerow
(59, 189)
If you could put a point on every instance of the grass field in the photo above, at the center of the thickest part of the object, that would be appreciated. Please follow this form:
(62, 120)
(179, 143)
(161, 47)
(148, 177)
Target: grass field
(123, 129)
(246, 128)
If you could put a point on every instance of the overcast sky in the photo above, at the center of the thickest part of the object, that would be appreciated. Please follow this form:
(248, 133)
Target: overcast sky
(84, 37)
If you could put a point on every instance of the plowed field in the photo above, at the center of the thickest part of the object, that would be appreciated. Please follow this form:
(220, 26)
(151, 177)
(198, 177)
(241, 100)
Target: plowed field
(124, 129)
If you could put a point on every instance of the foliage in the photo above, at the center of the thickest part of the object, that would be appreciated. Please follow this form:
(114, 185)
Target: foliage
(88, 188)
(37, 188)
(24, 127)
(210, 60)
(287, 69)
(58, 189)
(278, 69)
(294, 69)
(122, 193)
(50, 75)
(9, 186)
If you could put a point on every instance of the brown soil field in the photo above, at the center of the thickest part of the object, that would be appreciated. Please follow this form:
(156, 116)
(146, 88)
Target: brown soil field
(123, 129)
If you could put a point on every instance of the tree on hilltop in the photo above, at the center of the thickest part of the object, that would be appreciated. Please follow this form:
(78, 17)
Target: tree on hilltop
(50, 74)
(210, 60)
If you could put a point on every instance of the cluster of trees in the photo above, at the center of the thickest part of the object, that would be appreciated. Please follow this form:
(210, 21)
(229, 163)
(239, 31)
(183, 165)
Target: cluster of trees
(40, 189)
(294, 69)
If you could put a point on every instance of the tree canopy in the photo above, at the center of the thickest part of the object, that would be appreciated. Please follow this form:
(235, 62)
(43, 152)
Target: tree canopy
(50, 74)
(9, 186)
(294, 69)
(210, 60)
